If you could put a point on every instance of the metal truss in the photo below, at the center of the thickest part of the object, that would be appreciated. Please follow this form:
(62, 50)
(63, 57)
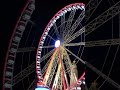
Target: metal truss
(51, 69)
(24, 73)
(27, 71)
(62, 25)
(76, 24)
(75, 44)
(102, 42)
(67, 61)
(32, 85)
(31, 68)
(109, 80)
(103, 18)
(68, 25)
(52, 72)
(46, 55)
(75, 35)
(55, 83)
(56, 30)
(97, 22)
(45, 67)
(90, 8)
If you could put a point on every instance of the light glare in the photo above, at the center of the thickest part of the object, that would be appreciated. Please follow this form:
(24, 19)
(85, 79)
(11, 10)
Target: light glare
(57, 43)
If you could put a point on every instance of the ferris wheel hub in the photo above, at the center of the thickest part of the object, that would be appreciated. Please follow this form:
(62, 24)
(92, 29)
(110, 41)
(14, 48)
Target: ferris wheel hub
(57, 43)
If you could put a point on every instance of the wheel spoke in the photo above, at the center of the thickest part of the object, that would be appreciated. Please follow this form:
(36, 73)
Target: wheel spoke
(68, 25)
(46, 55)
(102, 42)
(75, 44)
(75, 35)
(97, 22)
(32, 85)
(56, 30)
(103, 18)
(62, 25)
(51, 37)
(67, 61)
(45, 67)
(90, 8)
(50, 46)
(51, 69)
(109, 80)
(75, 56)
(55, 83)
(24, 73)
(76, 23)
(96, 71)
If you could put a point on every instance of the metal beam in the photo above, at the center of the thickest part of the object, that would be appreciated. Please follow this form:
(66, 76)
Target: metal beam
(103, 18)
(56, 30)
(75, 24)
(90, 8)
(62, 25)
(97, 22)
(102, 42)
(26, 49)
(75, 35)
(75, 44)
(24, 73)
(68, 25)
(46, 55)
(109, 80)
(50, 46)
(32, 85)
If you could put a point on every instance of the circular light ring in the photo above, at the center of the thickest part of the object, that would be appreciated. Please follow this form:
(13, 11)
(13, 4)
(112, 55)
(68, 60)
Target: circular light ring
(64, 10)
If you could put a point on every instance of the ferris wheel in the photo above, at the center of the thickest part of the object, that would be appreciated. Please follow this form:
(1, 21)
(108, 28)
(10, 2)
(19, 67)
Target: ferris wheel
(55, 65)
(76, 35)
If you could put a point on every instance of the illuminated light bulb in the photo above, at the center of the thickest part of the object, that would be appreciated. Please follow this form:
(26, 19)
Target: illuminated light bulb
(57, 43)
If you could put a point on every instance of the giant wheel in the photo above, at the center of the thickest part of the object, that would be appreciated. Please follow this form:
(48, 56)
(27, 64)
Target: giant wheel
(95, 42)
(101, 47)
(55, 67)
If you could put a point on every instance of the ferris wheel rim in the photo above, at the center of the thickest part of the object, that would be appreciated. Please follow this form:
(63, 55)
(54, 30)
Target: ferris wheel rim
(24, 8)
(57, 15)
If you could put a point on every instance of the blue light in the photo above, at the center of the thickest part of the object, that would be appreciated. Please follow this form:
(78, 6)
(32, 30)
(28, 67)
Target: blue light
(41, 88)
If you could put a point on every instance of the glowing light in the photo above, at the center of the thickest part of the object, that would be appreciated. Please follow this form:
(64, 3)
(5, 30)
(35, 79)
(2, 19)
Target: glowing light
(41, 88)
(57, 43)
(83, 82)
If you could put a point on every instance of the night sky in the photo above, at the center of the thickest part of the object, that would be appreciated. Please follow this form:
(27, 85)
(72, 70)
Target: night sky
(45, 9)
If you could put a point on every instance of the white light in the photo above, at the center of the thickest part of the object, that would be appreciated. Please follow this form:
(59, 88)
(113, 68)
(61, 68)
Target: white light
(83, 7)
(69, 8)
(39, 51)
(57, 17)
(57, 43)
(38, 56)
(83, 82)
(46, 32)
